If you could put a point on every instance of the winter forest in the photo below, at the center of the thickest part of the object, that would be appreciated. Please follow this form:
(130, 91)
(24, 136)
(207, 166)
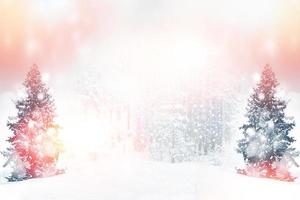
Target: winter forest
(149, 100)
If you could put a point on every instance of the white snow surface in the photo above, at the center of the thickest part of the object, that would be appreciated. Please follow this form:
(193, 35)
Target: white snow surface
(123, 178)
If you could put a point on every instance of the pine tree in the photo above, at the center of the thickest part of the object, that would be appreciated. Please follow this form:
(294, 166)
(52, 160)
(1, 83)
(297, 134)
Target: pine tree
(34, 146)
(266, 144)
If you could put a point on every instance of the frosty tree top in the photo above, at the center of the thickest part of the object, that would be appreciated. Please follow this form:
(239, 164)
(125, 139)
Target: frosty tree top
(266, 137)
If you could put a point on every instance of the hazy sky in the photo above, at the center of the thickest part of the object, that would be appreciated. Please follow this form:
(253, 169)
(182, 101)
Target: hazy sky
(60, 35)
(151, 39)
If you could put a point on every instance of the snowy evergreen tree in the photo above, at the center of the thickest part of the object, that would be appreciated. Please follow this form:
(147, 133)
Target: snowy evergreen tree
(266, 143)
(34, 146)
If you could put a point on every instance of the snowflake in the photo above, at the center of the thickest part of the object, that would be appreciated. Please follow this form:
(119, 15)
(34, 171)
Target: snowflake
(252, 148)
(26, 144)
(276, 145)
(41, 96)
(261, 96)
(251, 132)
(270, 124)
(262, 138)
(38, 138)
(31, 124)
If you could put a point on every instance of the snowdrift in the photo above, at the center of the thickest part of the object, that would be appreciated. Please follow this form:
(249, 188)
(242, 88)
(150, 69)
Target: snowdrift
(122, 179)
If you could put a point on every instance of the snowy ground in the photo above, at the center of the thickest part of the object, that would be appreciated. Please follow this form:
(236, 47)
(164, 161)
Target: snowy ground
(132, 179)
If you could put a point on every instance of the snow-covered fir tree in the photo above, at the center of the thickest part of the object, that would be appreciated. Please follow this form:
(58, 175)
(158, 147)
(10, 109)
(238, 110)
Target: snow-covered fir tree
(266, 143)
(34, 146)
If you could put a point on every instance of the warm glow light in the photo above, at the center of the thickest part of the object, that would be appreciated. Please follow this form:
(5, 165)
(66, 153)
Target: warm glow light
(88, 135)
(31, 124)
(161, 53)
(51, 131)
